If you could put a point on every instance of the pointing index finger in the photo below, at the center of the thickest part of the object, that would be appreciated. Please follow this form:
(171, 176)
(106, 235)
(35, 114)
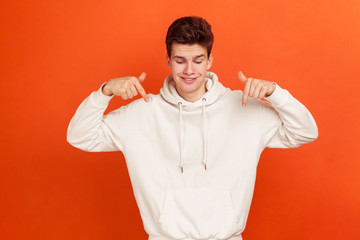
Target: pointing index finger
(245, 95)
(141, 90)
(246, 91)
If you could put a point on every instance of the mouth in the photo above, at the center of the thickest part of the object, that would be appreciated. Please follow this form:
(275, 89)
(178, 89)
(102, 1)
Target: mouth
(189, 80)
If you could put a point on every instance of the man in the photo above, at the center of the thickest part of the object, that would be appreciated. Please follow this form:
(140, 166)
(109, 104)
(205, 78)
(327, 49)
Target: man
(192, 150)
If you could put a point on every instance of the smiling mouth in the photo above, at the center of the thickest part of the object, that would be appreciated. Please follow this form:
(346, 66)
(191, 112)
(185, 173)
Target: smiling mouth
(188, 80)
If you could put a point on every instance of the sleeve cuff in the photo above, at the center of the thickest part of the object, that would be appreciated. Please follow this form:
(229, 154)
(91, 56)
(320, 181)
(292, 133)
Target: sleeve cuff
(101, 99)
(278, 97)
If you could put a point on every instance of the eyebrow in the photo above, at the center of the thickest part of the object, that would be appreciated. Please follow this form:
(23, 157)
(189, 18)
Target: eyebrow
(197, 56)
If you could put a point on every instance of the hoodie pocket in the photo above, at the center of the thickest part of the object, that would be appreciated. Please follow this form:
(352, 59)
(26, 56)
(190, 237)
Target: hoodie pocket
(200, 213)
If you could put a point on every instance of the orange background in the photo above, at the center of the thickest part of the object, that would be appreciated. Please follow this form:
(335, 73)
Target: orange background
(55, 53)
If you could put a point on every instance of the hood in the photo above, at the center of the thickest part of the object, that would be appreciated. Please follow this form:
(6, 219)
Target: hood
(214, 90)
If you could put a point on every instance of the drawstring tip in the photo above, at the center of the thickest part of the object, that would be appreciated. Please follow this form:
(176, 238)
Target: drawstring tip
(205, 165)
(182, 170)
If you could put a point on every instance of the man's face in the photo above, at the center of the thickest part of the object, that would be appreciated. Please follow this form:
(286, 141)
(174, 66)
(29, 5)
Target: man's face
(188, 64)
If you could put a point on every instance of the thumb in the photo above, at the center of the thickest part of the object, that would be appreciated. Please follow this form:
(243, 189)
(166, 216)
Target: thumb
(242, 77)
(142, 77)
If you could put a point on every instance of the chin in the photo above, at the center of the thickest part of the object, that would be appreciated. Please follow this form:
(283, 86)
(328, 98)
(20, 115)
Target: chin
(190, 86)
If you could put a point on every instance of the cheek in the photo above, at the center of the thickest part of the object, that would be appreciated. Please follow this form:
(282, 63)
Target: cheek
(202, 68)
(175, 68)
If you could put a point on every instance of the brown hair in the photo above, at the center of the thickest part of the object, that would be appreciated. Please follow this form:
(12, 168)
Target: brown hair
(190, 30)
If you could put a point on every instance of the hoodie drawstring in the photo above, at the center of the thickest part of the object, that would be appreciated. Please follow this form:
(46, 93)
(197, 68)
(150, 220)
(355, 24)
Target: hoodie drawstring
(204, 135)
(181, 136)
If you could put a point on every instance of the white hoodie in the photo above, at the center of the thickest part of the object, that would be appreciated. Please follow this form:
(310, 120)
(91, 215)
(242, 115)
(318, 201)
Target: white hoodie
(193, 165)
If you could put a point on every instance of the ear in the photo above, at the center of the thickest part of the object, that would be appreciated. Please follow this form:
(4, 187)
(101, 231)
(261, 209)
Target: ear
(168, 61)
(210, 61)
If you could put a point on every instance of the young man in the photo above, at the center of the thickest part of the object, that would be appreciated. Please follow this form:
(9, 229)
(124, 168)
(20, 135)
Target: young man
(192, 150)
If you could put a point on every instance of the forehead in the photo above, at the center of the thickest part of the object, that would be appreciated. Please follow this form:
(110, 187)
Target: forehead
(186, 50)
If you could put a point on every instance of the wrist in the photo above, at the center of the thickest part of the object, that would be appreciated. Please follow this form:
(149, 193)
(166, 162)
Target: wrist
(105, 90)
(271, 90)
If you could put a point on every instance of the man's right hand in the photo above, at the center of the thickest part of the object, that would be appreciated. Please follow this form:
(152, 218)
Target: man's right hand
(126, 87)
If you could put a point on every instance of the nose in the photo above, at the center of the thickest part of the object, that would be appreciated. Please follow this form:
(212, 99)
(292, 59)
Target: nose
(188, 70)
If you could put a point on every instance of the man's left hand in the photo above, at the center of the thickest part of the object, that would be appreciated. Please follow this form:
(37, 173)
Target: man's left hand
(255, 88)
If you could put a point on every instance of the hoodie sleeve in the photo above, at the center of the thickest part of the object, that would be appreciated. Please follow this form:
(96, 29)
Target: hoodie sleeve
(286, 122)
(90, 130)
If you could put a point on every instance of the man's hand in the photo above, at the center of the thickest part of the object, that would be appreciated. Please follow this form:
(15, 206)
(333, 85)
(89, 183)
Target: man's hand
(255, 88)
(126, 87)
